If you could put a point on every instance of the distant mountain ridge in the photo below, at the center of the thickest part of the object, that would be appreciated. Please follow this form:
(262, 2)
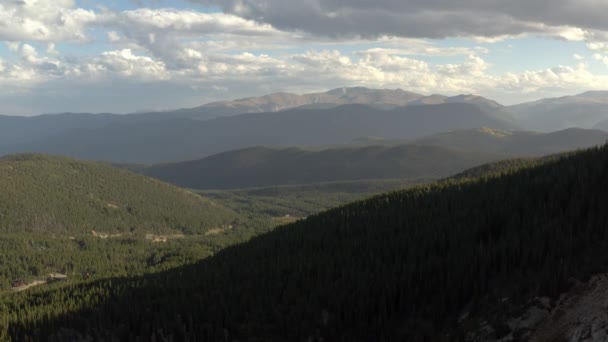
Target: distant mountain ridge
(339, 96)
(517, 143)
(583, 110)
(19, 130)
(263, 166)
(182, 139)
(436, 156)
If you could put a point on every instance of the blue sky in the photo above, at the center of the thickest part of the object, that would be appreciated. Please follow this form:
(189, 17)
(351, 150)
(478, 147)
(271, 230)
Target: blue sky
(125, 56)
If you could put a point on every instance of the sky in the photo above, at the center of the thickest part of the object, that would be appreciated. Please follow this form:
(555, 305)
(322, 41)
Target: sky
(125, 56)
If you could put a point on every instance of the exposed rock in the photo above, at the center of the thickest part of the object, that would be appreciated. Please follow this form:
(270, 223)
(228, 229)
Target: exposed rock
(580, 315)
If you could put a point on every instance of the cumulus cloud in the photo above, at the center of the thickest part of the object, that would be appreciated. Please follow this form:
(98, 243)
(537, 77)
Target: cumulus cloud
(163, 32)
(43, 20)
(126, 63)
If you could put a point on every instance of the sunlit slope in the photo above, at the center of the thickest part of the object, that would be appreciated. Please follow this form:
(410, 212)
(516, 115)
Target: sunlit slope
(41, 193)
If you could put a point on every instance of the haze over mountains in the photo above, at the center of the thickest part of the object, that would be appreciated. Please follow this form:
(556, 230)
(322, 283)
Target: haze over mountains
(334, 117)
(179, 139)
(584, 110)
(16, 129)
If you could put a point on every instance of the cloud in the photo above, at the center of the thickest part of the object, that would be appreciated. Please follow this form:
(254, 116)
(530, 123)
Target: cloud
(424, 18)
(553, 80)
(601, 58)
(426, 50)
(126, 64)
(124, 74)
(169, 33)
(43, 20)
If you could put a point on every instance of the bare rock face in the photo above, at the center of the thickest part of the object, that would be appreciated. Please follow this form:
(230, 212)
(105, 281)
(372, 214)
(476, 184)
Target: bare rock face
(581, 315)
(517, 325)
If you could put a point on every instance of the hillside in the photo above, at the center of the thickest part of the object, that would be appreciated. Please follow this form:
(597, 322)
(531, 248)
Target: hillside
(183, 139)
(602, 125)
(290, 202)
(262, 166)
(449, 261)
(517, 143)
(56, 195)
(86, 221)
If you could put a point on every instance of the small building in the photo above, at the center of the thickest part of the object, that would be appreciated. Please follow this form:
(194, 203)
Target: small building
(56, 277)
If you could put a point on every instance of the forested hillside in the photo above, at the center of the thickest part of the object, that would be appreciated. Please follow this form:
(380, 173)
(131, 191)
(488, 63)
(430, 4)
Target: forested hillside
(89, 220)
(263, 166)
(401, 266)
(297, 201)
(51, 194)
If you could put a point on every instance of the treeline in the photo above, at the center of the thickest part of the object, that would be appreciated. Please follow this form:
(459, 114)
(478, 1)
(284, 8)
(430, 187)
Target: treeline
(397, 267)
(303, 200)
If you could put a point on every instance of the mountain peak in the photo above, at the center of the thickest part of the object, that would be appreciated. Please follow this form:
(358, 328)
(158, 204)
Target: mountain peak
(594, 94)
(364, 90)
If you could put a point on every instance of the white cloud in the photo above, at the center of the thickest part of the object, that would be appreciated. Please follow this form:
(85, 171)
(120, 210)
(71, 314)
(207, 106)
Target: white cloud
(113, 37)
(601, 58)
(427, 50)
(189, 22)
(43, 20)
(172, 35)
(126, 63)
(557, 79)
(51, 49)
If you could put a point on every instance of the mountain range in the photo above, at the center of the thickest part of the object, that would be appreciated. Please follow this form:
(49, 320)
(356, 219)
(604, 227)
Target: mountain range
(182, 139)
(434, 156)
(584, 110)
(338, 116)
(17, 129)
